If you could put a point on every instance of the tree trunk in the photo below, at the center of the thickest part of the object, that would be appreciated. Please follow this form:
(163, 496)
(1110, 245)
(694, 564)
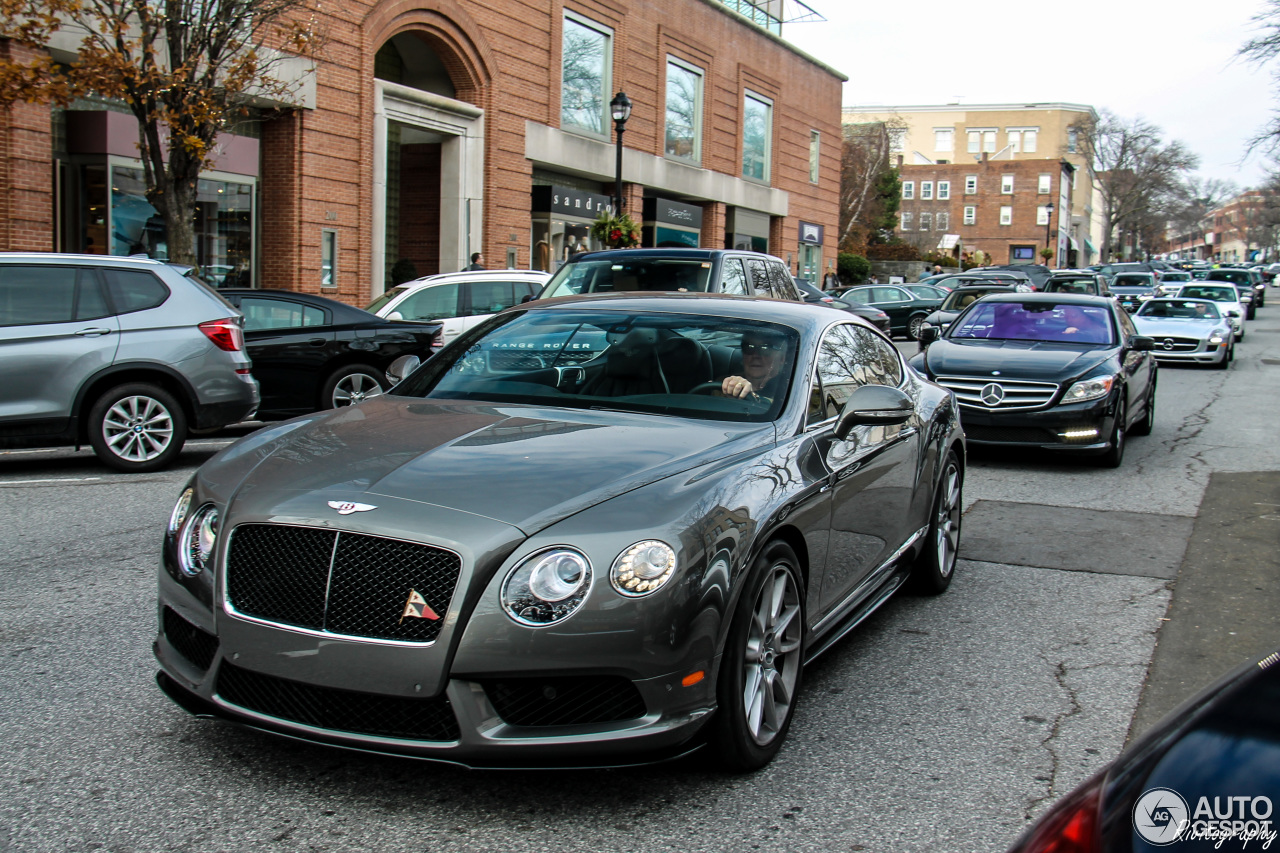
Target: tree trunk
(180, 223)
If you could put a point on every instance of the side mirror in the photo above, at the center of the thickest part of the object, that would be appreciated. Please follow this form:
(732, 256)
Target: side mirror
(402, 367)
(874, 405)
(1233, 313)
(1142, 343)
(928, 334)
(395, 315)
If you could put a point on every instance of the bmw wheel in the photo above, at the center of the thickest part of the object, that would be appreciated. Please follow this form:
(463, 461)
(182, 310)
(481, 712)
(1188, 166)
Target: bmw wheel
(352, 384)
(137, 427)
(763, 662)
(936, 564)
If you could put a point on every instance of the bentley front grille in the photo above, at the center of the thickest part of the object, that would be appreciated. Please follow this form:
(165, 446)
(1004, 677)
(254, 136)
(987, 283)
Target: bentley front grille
(995, 393)
(343, 583)
(565, 701)
(338, 710)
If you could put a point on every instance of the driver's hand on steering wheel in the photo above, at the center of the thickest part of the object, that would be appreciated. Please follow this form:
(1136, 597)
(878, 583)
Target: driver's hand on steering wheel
(736, 386)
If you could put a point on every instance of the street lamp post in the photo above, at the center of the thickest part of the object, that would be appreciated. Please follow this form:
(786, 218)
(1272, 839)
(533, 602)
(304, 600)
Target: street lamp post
(620, 109)
(1048, 224)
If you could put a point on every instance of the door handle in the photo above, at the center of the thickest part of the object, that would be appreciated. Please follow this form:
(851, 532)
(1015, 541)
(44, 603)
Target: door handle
(93, 332)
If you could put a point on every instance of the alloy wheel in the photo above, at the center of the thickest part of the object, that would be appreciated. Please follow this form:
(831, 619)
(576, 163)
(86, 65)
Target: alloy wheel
(947, 526)
(137, 428)
(771, 666)
(355, 388)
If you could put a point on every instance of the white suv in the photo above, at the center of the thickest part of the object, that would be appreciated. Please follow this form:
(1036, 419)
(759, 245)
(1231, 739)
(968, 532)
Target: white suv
(459, 299)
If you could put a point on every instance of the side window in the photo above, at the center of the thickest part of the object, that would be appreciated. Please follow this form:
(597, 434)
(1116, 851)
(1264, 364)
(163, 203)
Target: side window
(35, 295)
(732, 277)
(888, 294)
(278, 314)
(838, 374)
(1127, 329)
(759, 277)
(91, 300)
(133, 290)
(488, 297)
(879, 357)
(783, 286)
(430, 303)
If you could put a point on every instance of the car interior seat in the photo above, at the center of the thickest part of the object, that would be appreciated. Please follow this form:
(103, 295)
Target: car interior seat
(685, 363)
(631, 367)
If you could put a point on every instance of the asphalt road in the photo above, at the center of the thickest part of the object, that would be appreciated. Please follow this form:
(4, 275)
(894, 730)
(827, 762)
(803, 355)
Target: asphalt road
(940, 725)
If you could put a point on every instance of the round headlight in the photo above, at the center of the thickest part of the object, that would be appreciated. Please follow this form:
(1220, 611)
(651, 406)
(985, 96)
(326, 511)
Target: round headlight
(643, 568)
(195, 552)
(547, 587)
(180, 510)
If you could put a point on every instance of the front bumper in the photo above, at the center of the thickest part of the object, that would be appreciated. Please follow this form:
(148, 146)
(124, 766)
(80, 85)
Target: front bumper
(1077, 427)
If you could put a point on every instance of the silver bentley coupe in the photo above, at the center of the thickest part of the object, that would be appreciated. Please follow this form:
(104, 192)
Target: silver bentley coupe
(592, 531)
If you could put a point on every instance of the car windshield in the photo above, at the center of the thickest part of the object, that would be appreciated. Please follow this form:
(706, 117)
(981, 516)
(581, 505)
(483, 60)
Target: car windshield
(1035, 321)
(376, 305)
(1133, 279)
(1072, 285)
(616, 360)
(612, 275)
(1233, 276)
(958, 300)
(1224, 293)
(1180, 310)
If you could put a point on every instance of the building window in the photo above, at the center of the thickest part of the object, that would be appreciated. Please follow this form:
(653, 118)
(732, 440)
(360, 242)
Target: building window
(908, 189)
(1045, 184)
(970, 184)
(926, 190)
(897, 140)
(906, 221)
(586, 57)
(1029, 141)
(989, 141)
(944, 190)
(1006, 215)
(815, 151)
(1015, 141)
(684, 111)
(943, 139)
(943, 221)
(1073, 139)
(328, 258)
(1042, 215)
(1006, 184)
(970, 214)
(975, 141)
(926, 222)
(757, 130)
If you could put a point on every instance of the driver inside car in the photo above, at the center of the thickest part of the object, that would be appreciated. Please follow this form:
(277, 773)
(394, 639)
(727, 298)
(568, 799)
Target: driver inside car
(762, 362)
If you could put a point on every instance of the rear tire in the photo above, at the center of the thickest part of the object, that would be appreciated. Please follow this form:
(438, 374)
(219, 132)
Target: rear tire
(913, 326)
(936, 565)
(137, 428)
(763, 663)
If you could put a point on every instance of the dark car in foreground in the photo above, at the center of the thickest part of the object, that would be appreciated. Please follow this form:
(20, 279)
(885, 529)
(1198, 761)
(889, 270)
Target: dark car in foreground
(313, 353)
(1047, 370)
(813, 295)
(1203, 779)
(551, 560)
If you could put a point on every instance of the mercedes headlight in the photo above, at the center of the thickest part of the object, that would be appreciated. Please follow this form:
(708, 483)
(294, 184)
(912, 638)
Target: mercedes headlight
(547, 587)
(1218, 337)
(643, 568)
(180, 510)
(1089, 389)
(199, 536)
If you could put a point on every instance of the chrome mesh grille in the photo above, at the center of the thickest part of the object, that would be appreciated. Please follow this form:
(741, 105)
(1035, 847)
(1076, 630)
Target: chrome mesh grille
(1014, 393)
(337, 582)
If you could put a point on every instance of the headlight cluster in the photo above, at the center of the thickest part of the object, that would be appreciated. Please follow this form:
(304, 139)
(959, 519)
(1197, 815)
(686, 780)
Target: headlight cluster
(197, 534)
(1217, 337)
(548, 587)
(1089, 389)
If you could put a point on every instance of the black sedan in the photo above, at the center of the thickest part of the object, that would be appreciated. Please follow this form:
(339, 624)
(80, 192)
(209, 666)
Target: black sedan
(313, 353)
(1202, 779)
(526, 557)
(813, 295)
(1050, 370)
(907, 311)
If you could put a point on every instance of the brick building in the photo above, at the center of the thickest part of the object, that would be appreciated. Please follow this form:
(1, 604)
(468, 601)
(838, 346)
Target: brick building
(436, 128)
(1000, 207)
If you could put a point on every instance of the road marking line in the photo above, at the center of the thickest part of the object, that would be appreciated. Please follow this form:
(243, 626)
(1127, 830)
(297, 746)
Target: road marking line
(52, 480)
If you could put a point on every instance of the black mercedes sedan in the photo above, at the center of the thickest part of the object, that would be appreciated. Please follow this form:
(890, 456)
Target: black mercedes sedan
(907, 311)
(1050, 370)
(312, 353)
(592, 530)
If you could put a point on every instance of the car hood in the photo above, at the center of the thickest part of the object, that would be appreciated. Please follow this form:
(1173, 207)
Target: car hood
(1033, 360)
(524, 466)
(1184, 327)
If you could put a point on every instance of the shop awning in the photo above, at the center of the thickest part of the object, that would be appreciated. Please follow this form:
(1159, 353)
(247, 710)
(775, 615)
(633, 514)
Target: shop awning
(948, 242)
(1089, 246)
(1074, 245)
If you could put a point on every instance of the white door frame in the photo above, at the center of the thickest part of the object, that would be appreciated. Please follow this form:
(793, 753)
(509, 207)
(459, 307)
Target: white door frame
(461, 172)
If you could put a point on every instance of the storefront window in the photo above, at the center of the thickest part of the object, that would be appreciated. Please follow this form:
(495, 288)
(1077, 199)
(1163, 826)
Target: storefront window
(556, 240)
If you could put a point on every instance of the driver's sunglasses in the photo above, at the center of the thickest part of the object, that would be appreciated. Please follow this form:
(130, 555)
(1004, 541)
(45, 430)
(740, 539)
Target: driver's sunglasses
(750, 347)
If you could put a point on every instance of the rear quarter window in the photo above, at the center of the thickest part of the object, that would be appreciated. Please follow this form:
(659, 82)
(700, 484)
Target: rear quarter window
(134, 290)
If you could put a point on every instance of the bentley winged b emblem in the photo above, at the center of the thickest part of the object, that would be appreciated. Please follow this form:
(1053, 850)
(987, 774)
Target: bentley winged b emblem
(348, 507)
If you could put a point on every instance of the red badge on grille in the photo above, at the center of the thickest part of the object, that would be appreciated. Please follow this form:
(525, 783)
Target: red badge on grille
(417, 608)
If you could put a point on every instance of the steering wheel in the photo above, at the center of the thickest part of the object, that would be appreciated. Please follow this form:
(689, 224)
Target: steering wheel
(706, 387)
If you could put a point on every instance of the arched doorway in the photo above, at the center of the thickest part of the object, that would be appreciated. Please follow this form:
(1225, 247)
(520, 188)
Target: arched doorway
(428, 169)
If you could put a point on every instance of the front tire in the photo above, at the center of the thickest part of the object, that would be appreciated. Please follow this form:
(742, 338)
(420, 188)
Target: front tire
(1115, 454)
(1148, 422)
(352, 384)
(934, 568)
(763, 663)
(137, 428)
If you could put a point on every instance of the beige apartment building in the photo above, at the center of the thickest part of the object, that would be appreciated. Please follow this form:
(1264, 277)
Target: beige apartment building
(982, 134)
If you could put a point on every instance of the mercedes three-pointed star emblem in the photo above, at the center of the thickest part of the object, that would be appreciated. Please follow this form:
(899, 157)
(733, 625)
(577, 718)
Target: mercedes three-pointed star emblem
(992, 394)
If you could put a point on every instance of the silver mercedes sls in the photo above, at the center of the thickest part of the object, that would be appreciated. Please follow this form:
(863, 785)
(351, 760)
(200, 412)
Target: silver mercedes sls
(598, 530)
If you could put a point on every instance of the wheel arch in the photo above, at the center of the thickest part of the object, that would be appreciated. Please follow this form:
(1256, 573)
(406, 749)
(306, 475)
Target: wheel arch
(159, 375)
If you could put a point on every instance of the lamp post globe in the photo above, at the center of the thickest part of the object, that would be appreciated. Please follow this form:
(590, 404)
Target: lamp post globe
(620, 111)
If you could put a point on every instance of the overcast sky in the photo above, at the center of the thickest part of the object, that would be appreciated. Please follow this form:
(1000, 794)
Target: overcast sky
(1173, 64)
